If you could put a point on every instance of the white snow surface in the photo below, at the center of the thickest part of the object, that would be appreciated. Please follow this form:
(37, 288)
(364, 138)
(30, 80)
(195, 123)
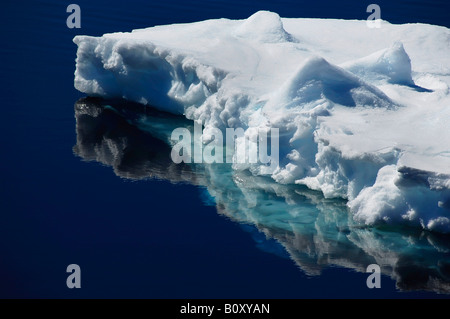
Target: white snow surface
(363, 114)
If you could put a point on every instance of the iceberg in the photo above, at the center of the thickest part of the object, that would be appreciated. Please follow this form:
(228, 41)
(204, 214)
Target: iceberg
(363, 114)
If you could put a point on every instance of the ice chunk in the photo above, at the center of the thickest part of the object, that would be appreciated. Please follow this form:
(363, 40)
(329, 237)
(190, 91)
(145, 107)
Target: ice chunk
(404, 195)
(352, 121)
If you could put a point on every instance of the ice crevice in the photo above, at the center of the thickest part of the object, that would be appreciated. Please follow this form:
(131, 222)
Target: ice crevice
(363, 113)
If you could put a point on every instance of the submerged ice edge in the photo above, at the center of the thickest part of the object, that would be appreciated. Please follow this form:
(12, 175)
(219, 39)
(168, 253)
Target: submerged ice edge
(356, 121)
(316, 232)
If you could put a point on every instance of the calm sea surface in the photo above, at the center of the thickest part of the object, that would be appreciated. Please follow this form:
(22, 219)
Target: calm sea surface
(74, 184)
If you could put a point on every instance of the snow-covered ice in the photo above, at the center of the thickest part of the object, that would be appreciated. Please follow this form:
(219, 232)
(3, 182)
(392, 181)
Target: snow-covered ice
(363, 113)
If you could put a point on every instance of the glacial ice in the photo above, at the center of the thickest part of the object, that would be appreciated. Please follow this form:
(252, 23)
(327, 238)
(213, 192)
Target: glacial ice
(363, 113)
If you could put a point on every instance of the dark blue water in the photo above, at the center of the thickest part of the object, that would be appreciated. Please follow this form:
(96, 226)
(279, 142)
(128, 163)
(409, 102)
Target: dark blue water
(136, 238)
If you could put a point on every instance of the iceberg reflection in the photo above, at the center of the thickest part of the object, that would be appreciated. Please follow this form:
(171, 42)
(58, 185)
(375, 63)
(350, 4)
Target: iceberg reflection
(315, 232)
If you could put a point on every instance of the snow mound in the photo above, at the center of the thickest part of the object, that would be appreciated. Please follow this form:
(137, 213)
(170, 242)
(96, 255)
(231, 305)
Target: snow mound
(392, 64)
(263, 26)
(352, 121)
(317, 79)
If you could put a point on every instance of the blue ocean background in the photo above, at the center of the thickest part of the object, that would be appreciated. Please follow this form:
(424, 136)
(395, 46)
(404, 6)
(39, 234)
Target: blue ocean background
(135, 238)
